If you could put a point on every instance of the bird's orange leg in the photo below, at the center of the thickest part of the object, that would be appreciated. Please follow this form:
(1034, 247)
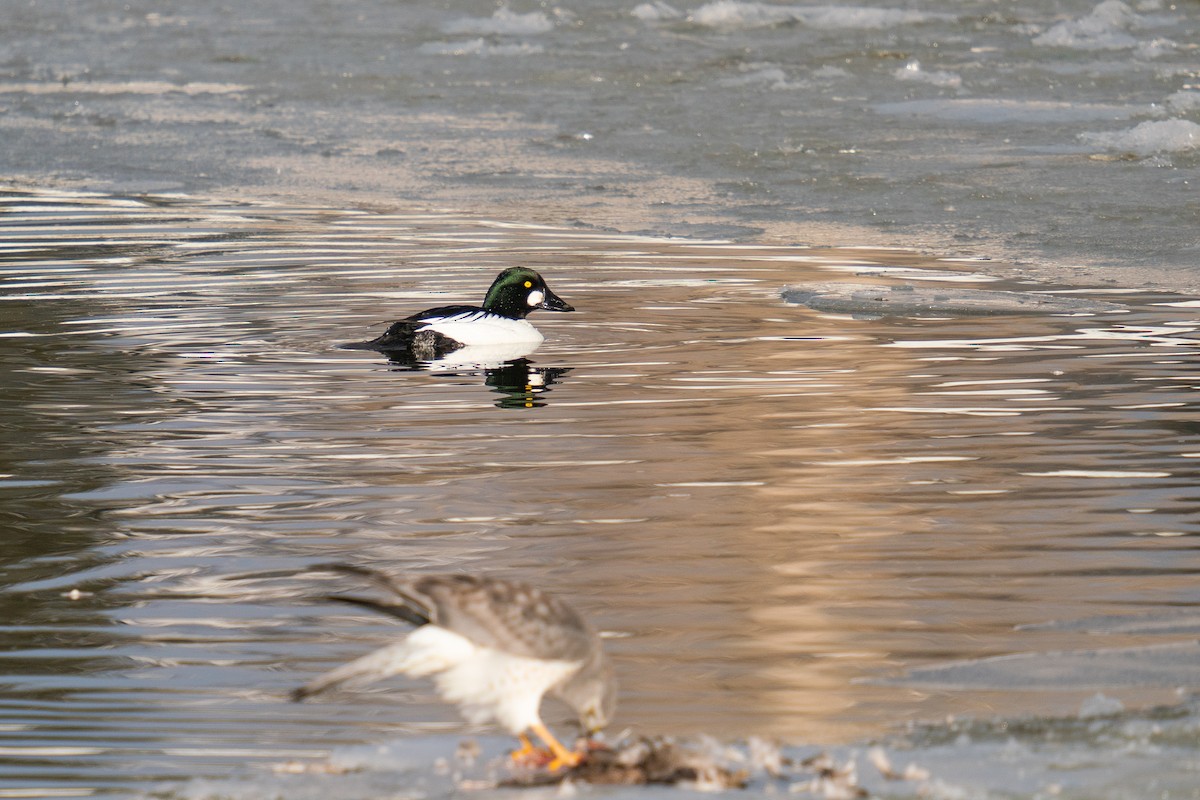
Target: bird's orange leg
(528, 754)
(562, 756)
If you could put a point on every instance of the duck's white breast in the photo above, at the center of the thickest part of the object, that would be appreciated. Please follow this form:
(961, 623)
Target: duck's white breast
(482, 328)
(483, 356)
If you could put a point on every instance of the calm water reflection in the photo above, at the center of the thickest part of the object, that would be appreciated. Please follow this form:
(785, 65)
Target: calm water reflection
(775, 511)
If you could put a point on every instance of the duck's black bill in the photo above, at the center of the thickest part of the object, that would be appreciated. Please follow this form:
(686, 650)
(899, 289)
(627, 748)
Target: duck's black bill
(553, 302)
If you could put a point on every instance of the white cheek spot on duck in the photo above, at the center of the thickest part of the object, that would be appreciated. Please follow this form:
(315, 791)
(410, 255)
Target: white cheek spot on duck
(535, 297)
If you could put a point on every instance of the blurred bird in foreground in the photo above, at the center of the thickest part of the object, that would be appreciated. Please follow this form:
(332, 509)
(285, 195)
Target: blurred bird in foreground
(493, 647)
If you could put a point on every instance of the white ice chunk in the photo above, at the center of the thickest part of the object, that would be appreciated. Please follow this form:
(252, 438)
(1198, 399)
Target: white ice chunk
(1103, 29)
(1148, 138)
(912, 71)
(502, 23)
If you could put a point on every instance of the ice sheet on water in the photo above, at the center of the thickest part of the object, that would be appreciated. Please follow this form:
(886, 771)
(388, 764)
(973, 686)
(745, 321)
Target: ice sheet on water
(1183, 622)
(1101, 751)
(1168, 666)
(425, 767)
(1150, 137)
(763, 767)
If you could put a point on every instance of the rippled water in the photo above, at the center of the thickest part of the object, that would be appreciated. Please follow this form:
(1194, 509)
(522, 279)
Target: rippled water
(793, 523)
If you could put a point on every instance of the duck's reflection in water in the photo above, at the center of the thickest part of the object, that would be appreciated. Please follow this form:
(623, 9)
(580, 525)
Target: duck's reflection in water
(519, 382)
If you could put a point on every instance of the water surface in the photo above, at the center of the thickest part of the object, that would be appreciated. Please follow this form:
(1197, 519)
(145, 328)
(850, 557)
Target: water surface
(794, 524)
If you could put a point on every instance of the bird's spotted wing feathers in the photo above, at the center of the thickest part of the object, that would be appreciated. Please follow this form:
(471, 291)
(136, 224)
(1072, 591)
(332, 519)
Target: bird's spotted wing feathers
(507, 616)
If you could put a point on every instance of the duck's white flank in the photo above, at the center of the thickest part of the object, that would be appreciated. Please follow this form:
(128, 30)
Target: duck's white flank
(482, 327)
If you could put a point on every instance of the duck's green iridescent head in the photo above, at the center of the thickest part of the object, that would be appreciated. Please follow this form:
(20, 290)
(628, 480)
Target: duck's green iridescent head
(519, 290)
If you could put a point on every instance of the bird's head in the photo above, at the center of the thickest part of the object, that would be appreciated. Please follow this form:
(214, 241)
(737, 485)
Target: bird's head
(592, 692)
(519, 290)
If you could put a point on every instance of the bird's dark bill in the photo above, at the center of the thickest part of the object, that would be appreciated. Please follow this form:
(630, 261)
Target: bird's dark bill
(552, 302)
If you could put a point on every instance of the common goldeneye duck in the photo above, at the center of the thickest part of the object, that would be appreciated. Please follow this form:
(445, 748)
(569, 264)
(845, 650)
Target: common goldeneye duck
(500, 321)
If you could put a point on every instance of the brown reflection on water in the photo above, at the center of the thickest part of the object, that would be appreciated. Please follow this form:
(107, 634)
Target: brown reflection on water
(769, 508)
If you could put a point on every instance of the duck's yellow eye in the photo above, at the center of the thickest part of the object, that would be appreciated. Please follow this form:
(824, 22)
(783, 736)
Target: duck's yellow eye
(528, 284)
